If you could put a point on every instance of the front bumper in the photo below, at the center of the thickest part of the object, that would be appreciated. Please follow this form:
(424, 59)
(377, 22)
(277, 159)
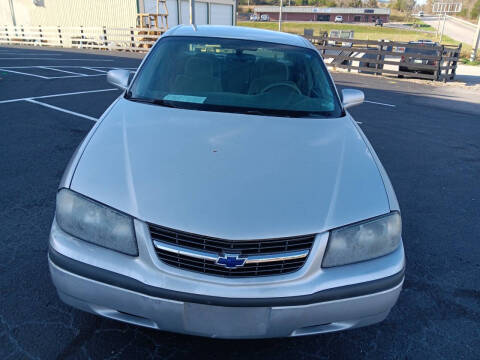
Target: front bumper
(113, 297)
(144, 291)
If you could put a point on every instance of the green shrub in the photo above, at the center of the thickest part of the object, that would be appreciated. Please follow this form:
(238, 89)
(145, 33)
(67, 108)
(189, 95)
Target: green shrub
(475, 12)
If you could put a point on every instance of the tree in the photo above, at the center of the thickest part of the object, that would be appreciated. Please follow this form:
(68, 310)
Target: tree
(404, 5)
(475, 12)
(355, 3)
(372, 3)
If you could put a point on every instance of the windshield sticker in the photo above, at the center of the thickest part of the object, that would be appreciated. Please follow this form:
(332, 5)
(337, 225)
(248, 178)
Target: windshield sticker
(185, 98)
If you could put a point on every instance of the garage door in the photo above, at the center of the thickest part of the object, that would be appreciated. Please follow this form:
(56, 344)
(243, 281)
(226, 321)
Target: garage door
(172, 12)
(201, 13)
(221, 14)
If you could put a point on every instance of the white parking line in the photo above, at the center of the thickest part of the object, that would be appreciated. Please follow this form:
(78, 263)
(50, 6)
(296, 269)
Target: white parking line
(22, 73)
(21, 58)
(51, 77)
(379, 103)
(56, 95)
(74, 76)
(59, 70)
(62, 110)
(92, 69)
(68, 66)
(11, 53)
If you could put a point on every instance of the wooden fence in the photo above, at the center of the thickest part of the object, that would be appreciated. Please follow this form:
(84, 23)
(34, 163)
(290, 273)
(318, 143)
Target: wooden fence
(127, 39)
(439, 63)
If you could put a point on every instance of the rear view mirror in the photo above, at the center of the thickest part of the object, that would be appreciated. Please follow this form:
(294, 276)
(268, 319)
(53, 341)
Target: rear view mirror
(352, 97)
(119, 78)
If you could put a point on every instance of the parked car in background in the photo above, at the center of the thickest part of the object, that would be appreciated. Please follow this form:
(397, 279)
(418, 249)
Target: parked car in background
(229, 193)
(370, 61)
(413, 59)
(379, 22)
(264, 17)
(339, 19)
(421, 13)
(253, 17)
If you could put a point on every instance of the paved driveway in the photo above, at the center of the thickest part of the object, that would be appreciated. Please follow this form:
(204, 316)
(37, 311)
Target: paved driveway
(455, 29)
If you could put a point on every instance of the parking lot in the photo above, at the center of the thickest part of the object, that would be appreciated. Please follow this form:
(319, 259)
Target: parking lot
(427, 137)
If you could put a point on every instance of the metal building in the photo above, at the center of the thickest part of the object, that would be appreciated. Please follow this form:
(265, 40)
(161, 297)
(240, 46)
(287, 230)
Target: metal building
(110, 13)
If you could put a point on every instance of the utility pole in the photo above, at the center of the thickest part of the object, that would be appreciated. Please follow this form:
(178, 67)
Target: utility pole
(12, 12)
(192, 12)
(476, 42)
(280, 16)
(439, 22)
(443, 26)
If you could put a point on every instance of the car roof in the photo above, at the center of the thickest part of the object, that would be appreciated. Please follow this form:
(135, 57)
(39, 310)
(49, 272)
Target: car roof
(239, 32)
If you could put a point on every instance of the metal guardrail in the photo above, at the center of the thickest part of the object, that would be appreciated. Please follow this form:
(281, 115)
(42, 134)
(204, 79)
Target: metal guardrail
(126, 39)
(388, 57)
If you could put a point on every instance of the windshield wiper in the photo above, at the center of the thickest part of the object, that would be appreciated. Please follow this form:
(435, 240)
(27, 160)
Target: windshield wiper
(150, 101)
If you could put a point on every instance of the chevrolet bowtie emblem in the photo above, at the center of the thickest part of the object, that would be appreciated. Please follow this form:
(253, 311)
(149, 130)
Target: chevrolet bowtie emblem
(231, 261)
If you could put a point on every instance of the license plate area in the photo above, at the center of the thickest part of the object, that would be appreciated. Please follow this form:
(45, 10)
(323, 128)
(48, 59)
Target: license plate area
(228, 321)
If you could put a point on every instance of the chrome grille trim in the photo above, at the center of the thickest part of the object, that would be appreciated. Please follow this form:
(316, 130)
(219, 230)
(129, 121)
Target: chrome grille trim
(204, 255)
(252, 259)
(230, 258)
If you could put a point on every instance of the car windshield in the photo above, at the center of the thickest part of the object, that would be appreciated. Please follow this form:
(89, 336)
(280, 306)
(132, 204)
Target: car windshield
(241, 76)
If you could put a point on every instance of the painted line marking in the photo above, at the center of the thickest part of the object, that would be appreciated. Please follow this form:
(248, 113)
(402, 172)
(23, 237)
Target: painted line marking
(50, 77)
(59, 68)
(62, 110)
(92, 69)
(10, 53)
(73, 76)
(63, 71)
(69, 66)
(379, 103)
(22, 73)
(56, 59)
(56, 95)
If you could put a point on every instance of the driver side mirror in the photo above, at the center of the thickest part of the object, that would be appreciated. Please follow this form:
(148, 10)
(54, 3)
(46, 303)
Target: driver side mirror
(119, 78)
(352, 97)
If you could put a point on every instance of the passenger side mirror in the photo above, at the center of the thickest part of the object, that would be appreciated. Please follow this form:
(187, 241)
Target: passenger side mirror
(352, 97)
(119, 78)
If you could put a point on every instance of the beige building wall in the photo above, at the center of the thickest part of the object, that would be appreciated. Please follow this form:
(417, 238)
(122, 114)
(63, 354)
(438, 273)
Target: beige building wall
(110, 13)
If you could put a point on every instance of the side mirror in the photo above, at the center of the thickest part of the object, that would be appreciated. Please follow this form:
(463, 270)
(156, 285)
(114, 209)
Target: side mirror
(352, 97)
(119, 78)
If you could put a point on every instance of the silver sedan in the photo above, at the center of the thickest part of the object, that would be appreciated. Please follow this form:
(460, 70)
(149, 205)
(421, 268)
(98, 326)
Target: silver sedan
(229, 193)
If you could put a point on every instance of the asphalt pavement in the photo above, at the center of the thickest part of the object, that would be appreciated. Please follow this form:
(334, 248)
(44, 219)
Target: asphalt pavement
(456, 29)
(428, 139)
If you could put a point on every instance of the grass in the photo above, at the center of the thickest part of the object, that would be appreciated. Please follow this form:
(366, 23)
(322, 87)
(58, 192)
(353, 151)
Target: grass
(422, 26)
(362, 32)
(468, 62)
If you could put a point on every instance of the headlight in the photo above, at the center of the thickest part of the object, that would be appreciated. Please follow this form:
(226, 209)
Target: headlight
(95, 223)
(363, 241)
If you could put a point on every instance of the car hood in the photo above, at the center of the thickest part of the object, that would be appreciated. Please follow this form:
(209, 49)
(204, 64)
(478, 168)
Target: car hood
(229, 175)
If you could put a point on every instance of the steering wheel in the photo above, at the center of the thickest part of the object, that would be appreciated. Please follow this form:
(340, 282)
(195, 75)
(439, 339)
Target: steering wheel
(286, 84)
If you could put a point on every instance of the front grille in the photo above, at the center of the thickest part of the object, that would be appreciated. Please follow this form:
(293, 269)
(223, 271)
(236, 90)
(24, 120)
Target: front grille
(221, 246)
